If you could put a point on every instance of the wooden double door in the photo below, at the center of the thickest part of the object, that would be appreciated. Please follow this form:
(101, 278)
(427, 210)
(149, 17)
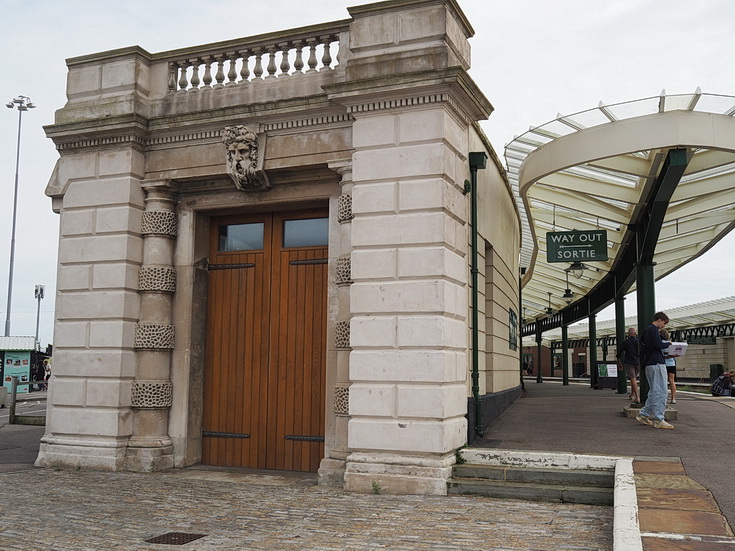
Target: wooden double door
(264, 387)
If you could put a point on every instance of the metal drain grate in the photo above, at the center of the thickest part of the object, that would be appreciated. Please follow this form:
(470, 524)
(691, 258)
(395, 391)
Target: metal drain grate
(175, 538)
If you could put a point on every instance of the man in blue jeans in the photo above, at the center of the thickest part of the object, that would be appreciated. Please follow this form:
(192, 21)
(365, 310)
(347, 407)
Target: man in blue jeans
(651, 346)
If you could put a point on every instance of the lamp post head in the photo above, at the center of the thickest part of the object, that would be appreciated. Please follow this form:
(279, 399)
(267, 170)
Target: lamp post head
(23, 103)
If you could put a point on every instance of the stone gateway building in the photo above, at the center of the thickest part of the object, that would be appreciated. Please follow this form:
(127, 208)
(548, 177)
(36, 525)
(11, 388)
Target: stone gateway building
(267, 255)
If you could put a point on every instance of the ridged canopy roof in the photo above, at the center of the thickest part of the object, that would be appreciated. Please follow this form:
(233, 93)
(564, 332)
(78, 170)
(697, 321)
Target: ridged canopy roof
(595, 170)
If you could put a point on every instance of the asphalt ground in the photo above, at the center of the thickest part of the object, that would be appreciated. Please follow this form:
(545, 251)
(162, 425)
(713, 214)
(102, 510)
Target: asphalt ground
(578, 419)
(19, 444)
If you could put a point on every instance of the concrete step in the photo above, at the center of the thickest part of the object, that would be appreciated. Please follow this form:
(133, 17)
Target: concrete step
(536, 475)
(592, 487)
(587, 495)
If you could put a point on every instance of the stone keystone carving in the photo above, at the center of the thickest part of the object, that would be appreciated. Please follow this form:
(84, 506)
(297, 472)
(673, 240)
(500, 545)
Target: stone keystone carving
(245, 152)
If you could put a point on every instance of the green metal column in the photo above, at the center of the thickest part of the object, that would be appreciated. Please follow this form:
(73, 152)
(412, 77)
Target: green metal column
(521, 323)
(620, 333)
(646, 293)
(593, 350)
(564, 355)
(477, 161)
(538, 350)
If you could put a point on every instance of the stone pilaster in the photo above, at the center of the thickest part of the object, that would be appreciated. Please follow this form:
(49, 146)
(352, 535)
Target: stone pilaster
(332, 467)
(408, 330)
(100, 203)
(149, 447)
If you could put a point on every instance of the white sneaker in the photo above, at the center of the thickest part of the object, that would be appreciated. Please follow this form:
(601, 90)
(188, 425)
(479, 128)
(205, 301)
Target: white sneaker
(672, 401)
(659, 424)
(644, 420)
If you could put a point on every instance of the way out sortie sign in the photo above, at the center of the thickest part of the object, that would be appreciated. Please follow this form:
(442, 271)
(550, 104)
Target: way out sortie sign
(576, 246)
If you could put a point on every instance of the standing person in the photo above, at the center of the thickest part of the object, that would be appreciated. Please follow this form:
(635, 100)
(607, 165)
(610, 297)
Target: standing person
(628, 356)
(47, 372)
(651, 346)
(670, 368)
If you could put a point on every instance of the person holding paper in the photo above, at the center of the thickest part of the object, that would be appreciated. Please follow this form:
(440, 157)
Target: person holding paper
(652, 413)
(670, 367)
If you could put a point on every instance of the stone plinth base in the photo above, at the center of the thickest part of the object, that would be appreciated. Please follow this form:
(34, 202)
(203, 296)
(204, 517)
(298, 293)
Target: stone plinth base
(398, 474)
(671, 414)
(149, 455)
(82, 453)
(332, 472)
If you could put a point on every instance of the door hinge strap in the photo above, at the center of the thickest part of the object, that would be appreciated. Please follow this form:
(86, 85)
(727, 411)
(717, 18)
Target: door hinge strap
(305, 438)
(305, 262)
(230, 266)
(224, 434)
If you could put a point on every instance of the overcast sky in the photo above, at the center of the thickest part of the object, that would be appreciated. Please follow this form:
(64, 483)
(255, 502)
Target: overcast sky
(532, 58)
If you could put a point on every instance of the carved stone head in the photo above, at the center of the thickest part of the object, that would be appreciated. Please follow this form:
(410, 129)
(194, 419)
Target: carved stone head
(245, 158)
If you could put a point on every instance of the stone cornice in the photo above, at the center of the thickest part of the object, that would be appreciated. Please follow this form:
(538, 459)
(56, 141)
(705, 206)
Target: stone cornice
(452, 86)
(112, 131)
(64, 135)
(308, 121)
(395, 5)
(132, 51)
(382, 105)
(253, 41)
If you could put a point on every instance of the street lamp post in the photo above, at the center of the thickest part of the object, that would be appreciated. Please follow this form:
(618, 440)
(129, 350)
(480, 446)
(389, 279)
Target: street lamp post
(22, 103)
(39, 297)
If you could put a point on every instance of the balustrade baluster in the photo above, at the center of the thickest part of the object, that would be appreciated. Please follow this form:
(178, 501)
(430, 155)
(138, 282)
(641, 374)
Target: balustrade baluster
(245, 70)
(207, 79)
(183, 82)
(338, 55)
(258, 69)
(271, 62)
(232, 73)
(217, 69)
(326, 54)
(298, 63)
(172, 74)
(195, 81)
(285, 64)
(311, 42)
(220, 76)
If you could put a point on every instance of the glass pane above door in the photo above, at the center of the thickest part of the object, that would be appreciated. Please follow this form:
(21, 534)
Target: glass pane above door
(241, 237)
(307, 232)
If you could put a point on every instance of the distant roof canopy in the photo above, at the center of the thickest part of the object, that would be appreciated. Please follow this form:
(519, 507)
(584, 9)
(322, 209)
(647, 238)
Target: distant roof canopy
(18, 343)
(595, 170)
(718, 312)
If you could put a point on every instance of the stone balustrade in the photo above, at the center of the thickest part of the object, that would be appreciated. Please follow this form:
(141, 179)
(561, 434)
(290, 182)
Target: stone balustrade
(276, 55)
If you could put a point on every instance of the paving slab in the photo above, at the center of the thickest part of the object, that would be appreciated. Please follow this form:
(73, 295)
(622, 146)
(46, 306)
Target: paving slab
(673, 521)
(667, 498)
(658, 467)
(673, 481)
(691, 544)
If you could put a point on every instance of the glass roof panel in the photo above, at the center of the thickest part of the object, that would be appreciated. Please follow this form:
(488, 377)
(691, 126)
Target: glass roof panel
(607, 187)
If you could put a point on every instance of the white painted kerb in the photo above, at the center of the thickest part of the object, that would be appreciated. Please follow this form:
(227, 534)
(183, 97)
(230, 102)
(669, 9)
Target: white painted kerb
(626, 530)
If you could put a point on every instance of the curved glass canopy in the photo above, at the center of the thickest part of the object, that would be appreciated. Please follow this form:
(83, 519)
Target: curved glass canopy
(596, 169)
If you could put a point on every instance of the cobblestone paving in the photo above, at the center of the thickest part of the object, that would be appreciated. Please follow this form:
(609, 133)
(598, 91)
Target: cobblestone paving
(46, 509)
